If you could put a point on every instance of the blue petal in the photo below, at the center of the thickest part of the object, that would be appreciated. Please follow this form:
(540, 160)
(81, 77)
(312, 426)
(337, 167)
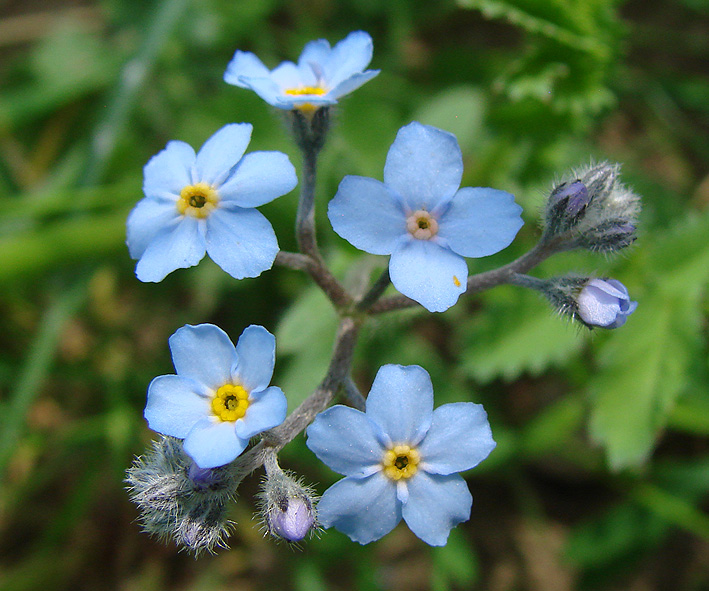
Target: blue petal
(480, 222)
(266, 410)
(256, 356)
(175, 405)
(424, 166)
(148, 218)
(177, 246)
(351, 83)
(365, 509)
(401, 402)
(241, 241)
(314, 54)
(349, 57)
(289, 76)
(367, 214)
(344, 439)
(169, 170)
(212, 443)
(221, 153)
(459, 438)
(203, 353)
(427, 272)
(266, 88)
(436, 504)
(244, 64)
(259, 178)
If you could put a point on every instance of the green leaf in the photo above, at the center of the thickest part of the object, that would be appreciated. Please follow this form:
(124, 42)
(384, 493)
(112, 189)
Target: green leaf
(454, 564)
(645, 365)
(518, 333)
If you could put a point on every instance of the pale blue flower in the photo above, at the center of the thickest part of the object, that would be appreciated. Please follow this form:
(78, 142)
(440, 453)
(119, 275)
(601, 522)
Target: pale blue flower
(204, 202)
(321, 76)
(220, 397)
(399, 459)
(420, 217)
(605, 303)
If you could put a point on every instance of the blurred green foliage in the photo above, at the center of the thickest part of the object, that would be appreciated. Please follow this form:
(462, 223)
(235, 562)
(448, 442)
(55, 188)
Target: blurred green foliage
(601, 473)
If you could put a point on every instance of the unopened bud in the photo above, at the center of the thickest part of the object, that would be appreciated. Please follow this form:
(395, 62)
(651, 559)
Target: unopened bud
(287, 505)
(595, 211)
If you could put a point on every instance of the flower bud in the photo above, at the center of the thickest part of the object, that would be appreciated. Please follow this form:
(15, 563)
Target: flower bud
(595, 211)
(604, 303)
(287, 506)
(180, 501)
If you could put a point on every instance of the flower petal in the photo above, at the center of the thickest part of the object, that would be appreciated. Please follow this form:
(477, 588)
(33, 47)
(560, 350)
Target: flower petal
(345, 440)
(365, 509)
(147, 219)
(221, 153)
(424, 166)
(480, 221)
(259, 178)
(175, 405)
(177, 246)
(169, 170)
(459, 438)
(244, 64)
(349, 57)
(255, 358)
(212, 443)
(203, 353)
(241, 241)
(267, 89)
(288, 75)
(429, 273)
(351, 83)
(436, 504)
(367, 214)
(266, 410)
(401, 402)
(314, 54)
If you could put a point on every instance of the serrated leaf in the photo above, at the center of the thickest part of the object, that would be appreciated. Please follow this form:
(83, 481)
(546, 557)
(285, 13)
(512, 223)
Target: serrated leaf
(518, 334)
(646, 364)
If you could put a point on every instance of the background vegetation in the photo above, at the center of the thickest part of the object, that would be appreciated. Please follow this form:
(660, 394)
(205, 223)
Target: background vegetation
(601, 473)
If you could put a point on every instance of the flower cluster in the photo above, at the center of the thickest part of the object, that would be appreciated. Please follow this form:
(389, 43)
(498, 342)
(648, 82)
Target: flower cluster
(400, 458)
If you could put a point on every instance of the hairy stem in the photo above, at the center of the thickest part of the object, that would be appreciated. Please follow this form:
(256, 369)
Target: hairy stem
(482, 281)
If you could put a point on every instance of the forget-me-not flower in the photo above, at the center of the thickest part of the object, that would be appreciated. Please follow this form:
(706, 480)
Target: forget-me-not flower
(321, 76)
(220, 397)
(400, 459)
(204, 202)
(422, 219)
(605, 303)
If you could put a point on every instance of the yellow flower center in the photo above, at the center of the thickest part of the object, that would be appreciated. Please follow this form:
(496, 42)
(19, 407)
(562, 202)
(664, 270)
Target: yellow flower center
(197, 200)
(401, 461)
(230, 402)
(422, 225)
(307, 108)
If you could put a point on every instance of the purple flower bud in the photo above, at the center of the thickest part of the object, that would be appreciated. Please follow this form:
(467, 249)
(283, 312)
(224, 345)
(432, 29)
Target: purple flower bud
(575, 196)
(201, 477)
(293, 522)
(604, 303)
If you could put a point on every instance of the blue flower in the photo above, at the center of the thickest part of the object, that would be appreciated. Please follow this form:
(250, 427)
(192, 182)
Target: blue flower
(205, 203)
(321, 76)
(399, 459)
(220, 397)
(422, 219)
(605, 303)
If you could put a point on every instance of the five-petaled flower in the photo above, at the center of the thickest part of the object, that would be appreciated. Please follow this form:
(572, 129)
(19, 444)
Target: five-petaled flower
(422, 219)
(220, 397)
(400, 458)
(204, 202)
(321, 76)
(604, 303)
